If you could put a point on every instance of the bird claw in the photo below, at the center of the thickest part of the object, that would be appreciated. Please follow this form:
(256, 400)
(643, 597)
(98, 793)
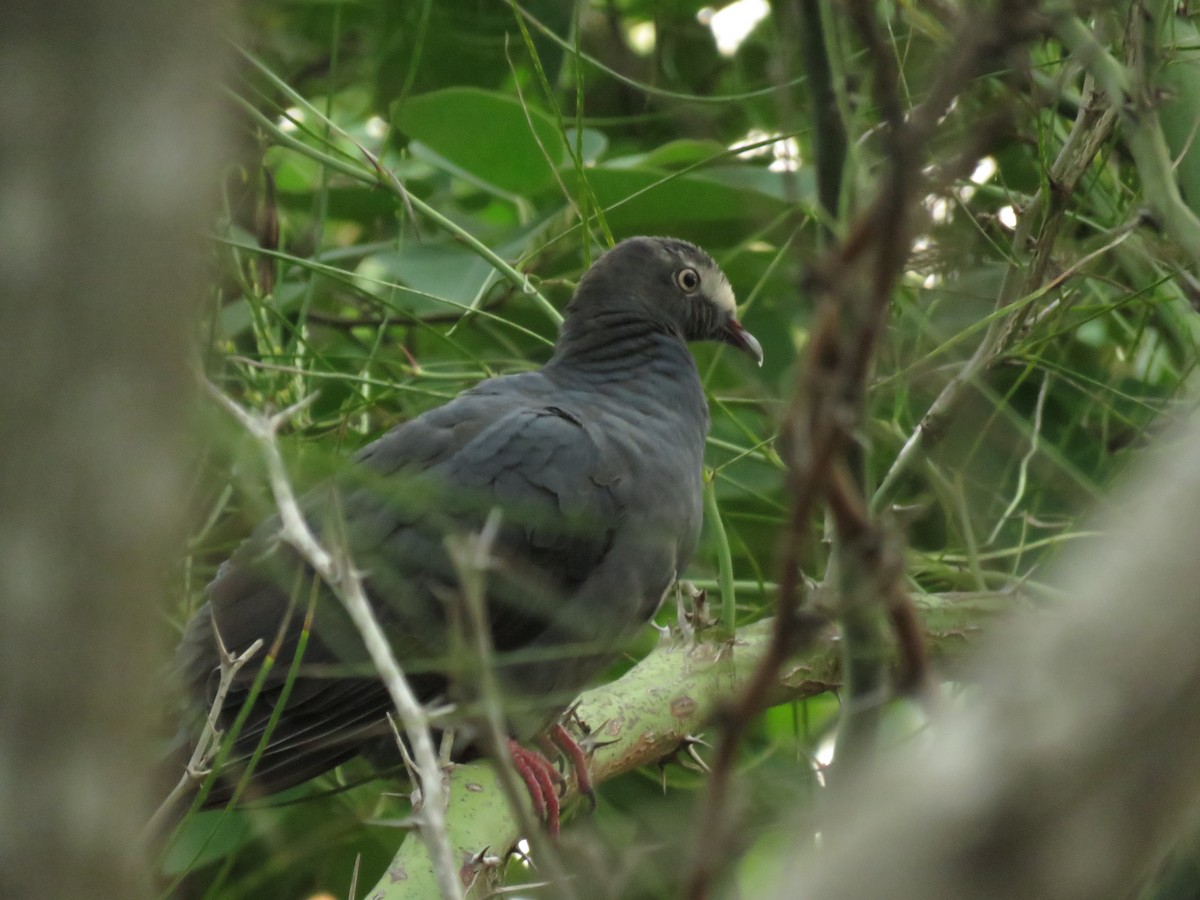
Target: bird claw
(539, 776)
(698, 615)
(562, 739)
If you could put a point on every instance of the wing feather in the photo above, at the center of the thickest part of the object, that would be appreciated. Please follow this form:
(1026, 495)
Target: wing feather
(443, 472)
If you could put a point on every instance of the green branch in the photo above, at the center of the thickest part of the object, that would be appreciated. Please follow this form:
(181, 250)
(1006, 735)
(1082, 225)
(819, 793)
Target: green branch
(1142, 129)
(644, 717)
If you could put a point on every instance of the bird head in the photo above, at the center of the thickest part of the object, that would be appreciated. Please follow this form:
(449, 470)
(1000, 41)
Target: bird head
(671, 283)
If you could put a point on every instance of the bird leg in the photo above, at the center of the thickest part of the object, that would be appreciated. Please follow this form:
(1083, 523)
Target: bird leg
(539, 776)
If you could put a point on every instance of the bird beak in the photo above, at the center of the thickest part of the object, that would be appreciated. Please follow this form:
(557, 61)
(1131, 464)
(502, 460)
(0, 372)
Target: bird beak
(735, 335)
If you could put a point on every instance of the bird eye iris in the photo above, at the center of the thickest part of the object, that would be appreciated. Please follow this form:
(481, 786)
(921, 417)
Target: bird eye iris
(688, 280)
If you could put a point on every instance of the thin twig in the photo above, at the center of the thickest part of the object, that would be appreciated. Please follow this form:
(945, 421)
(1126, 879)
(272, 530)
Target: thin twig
(206, 744)
(1023, 468)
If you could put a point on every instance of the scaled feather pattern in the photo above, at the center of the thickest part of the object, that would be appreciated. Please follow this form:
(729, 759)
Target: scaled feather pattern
(593, 464)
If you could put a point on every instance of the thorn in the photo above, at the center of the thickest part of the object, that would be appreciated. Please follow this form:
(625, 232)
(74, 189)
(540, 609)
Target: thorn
(410, 765)
(591, 742)
(446, 748)
(281, 417)
(520, 854)
(700, 764)
(682, 617)
(480, 858)
(408, 823)
(245, 656)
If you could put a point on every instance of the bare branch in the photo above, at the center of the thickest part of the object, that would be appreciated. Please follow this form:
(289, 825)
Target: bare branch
(206, 744)
(1024, 278)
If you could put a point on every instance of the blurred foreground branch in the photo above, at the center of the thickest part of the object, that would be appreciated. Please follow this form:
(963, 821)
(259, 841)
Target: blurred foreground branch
(1079, 755)
(821, 434)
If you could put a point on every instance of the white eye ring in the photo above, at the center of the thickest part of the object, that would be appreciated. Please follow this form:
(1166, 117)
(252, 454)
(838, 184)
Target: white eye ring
(688, 280)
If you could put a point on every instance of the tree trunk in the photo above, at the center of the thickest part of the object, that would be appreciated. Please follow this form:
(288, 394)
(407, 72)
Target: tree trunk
(106, 167)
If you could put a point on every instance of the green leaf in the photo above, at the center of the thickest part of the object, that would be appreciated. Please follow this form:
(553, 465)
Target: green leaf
(490, 136)
(442, 270)
(649, 200)
(359, 204)
(678, 154)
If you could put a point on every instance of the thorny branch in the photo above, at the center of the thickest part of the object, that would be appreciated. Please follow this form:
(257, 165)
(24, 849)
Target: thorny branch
(653, 714)
(336, 569)
(853, 283)
(196, 769)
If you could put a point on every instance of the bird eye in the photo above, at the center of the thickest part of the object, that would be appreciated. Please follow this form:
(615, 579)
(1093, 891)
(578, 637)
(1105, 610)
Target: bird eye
(688, 280)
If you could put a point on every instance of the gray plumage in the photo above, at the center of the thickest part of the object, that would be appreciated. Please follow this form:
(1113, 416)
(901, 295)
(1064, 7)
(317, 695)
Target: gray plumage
(594, 462)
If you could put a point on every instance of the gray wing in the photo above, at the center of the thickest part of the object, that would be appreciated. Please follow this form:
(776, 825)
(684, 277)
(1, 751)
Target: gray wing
(541, 465)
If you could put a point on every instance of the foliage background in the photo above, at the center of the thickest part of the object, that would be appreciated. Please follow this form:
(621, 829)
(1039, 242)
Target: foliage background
(384, 145)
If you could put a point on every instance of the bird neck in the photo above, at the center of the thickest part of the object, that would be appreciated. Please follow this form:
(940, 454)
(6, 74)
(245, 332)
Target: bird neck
(627, 364)
(617, 346)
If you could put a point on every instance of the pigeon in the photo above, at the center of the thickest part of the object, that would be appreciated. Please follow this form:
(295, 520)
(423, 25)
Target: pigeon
(589, 470)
